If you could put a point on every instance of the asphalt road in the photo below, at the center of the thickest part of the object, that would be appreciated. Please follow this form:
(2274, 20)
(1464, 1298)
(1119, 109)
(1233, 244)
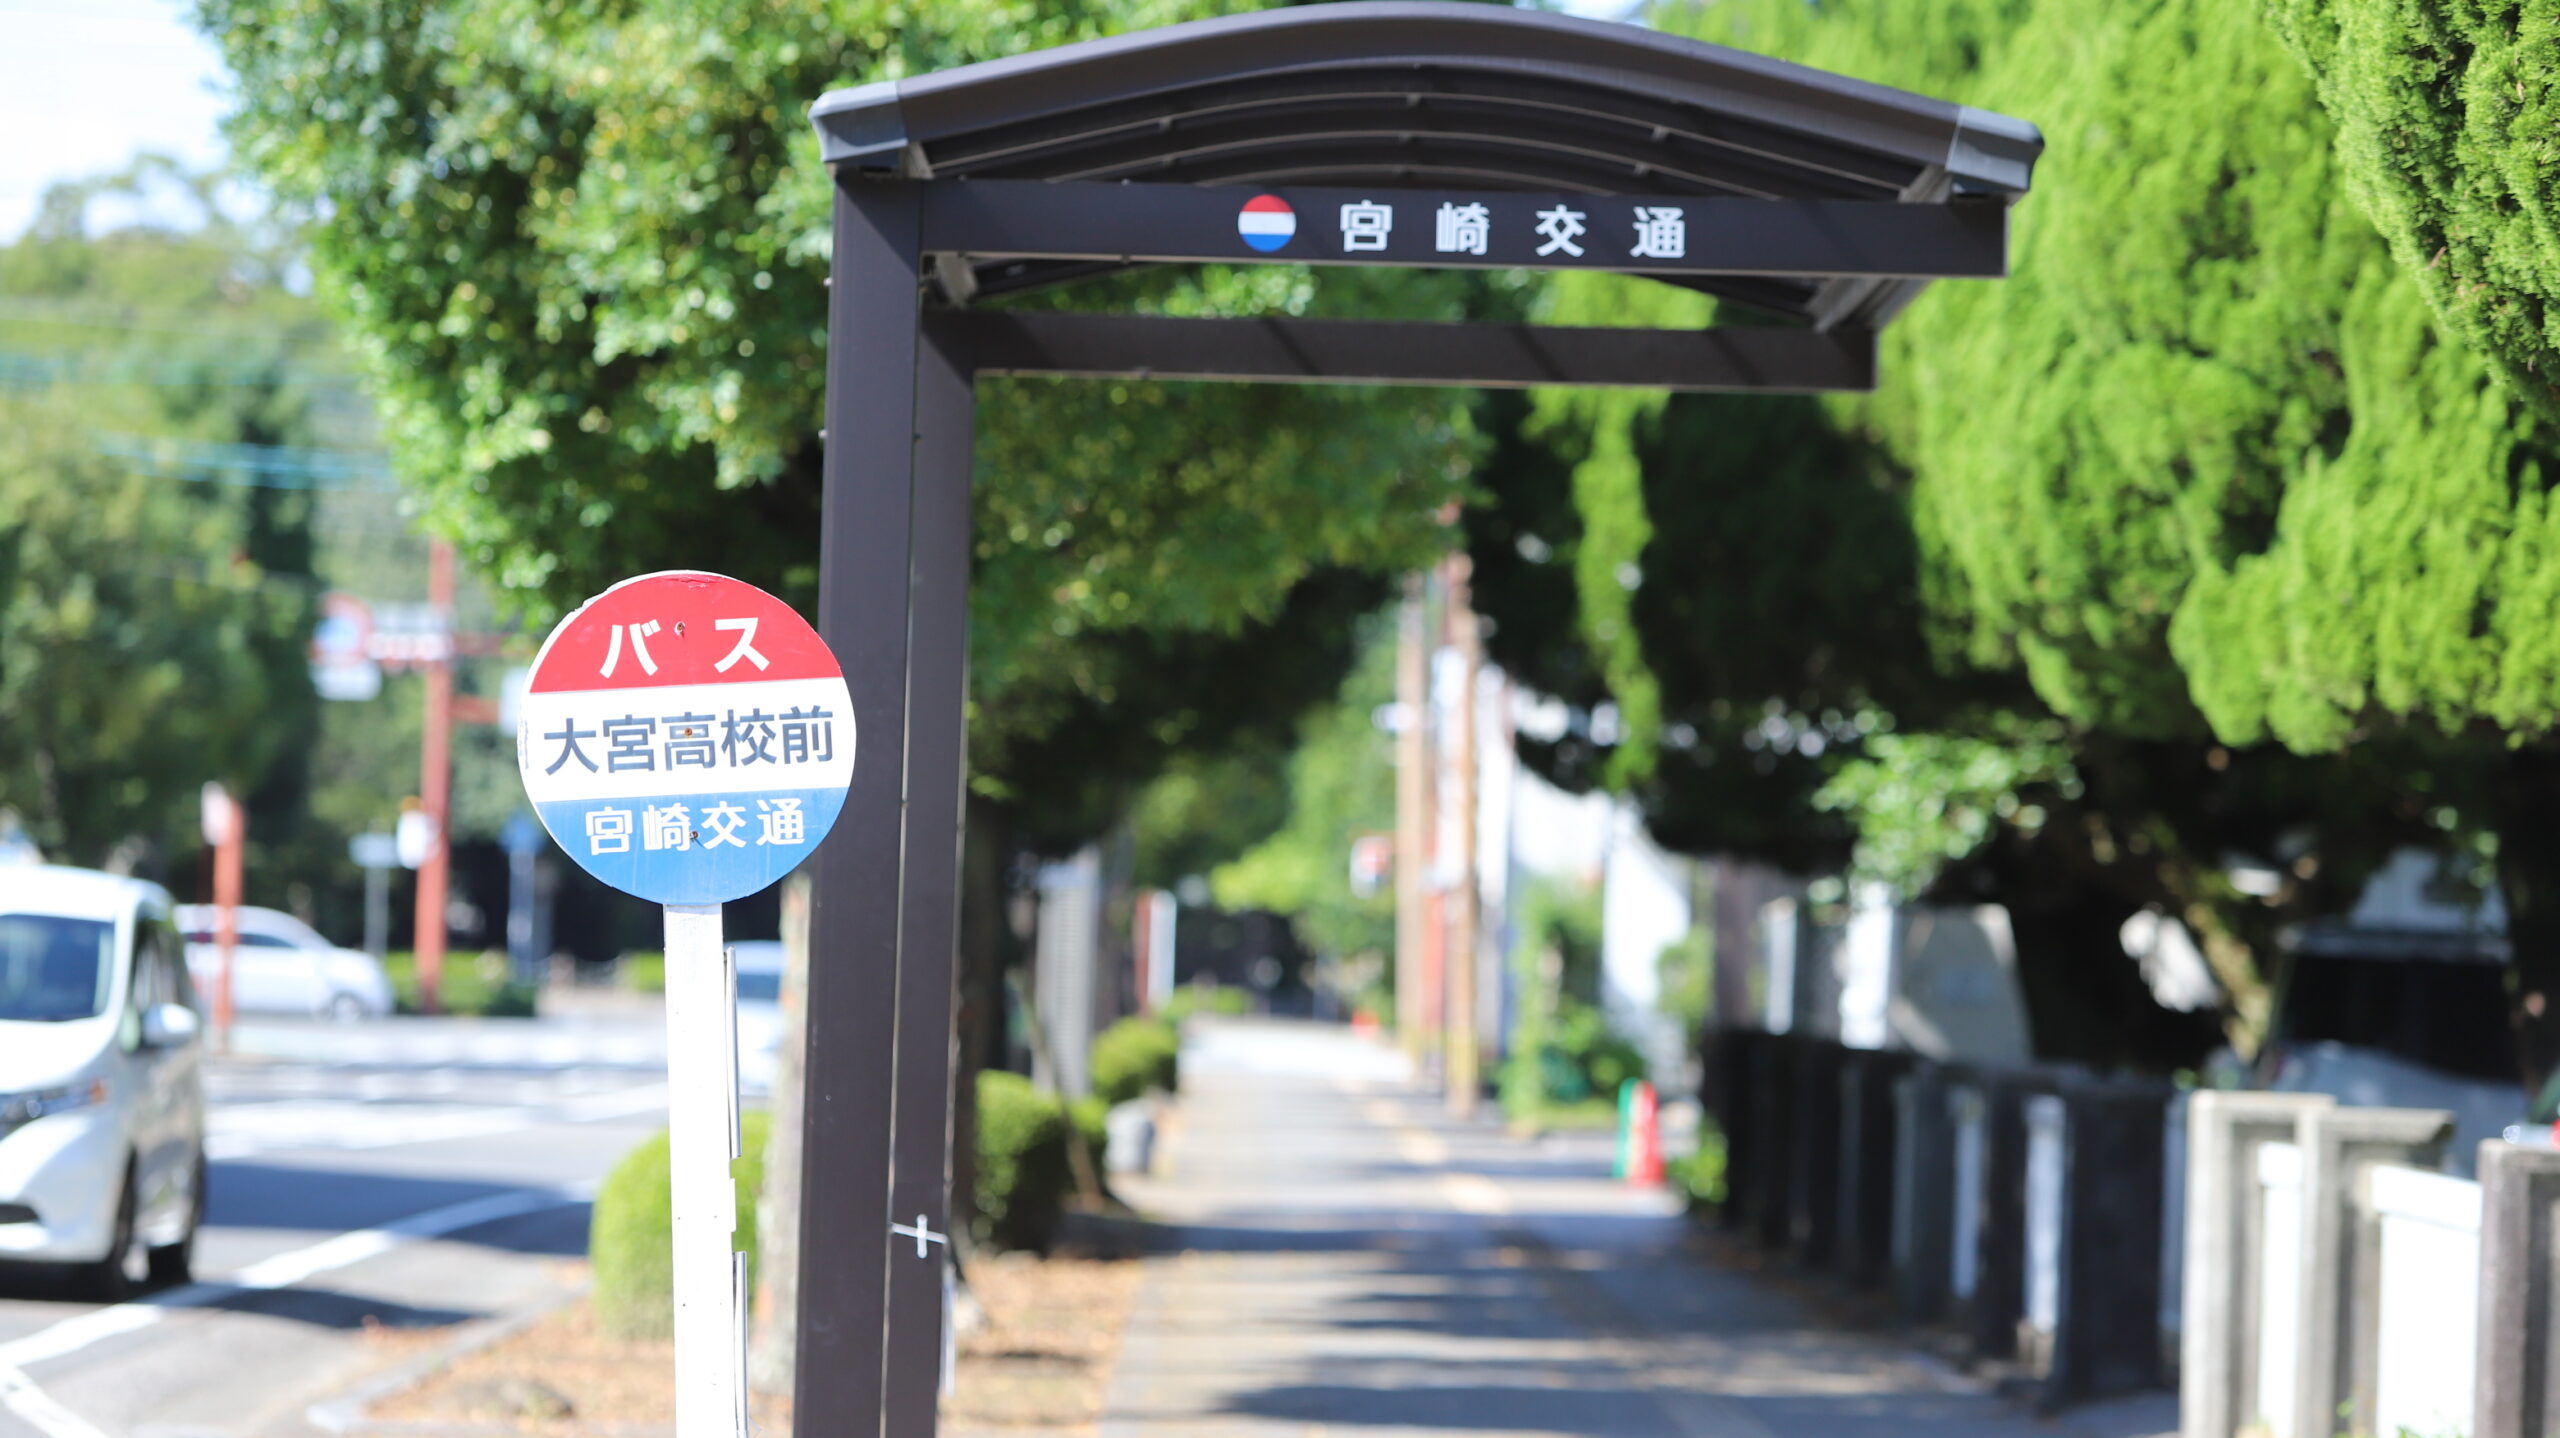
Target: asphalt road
(367, 1179)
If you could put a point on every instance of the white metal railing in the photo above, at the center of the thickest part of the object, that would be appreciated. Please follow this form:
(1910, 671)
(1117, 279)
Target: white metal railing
(2429, 1301)
(2279, 1259)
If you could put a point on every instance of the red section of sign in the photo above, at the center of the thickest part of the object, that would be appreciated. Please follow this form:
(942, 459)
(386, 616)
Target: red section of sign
(663, 629)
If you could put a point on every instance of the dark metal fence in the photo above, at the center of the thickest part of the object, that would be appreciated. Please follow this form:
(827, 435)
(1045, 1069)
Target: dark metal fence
(2015, 1211)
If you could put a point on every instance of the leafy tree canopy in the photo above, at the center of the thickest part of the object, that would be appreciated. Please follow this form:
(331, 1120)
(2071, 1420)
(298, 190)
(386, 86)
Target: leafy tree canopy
(2445, 111)
(1341, 785)
(582, 249)
(130, 645)
(156, 577)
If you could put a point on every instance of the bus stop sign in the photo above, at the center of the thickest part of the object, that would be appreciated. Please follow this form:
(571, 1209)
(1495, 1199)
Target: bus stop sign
(686, 737)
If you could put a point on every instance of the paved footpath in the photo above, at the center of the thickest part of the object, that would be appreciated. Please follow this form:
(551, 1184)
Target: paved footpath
(1358, 1264)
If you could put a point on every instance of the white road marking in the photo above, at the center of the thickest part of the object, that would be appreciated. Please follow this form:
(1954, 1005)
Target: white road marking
(281, 1271)
(244, 1130)
(20, 1395)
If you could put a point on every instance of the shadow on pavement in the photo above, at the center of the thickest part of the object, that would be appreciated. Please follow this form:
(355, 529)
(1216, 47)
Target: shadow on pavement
(323, 1202)
(330, 1308)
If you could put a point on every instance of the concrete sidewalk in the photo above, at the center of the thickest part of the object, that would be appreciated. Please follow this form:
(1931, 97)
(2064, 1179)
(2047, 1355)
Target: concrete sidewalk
(1357, 1264)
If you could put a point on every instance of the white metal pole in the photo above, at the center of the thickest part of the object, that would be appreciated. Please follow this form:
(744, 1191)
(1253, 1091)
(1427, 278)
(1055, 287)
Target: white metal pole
(701, 1121)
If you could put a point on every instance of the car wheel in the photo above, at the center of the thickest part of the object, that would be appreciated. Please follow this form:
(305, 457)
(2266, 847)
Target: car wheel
(116, 1277)
(346, 1008)
(176, 1263)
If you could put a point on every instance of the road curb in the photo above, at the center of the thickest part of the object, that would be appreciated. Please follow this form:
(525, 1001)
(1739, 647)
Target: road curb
(345, 1413)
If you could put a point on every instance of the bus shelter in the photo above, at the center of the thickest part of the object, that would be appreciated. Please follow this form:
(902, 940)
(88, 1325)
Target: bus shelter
(1400, 133)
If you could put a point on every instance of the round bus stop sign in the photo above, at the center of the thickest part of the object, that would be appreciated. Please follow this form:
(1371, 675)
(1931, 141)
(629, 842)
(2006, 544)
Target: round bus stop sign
(686, 737)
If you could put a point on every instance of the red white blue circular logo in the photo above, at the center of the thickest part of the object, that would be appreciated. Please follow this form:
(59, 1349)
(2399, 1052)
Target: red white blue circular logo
(1266, 222)
(686, 737)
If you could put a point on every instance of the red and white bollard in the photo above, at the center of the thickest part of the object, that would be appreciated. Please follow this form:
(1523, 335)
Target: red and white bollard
(1644, 1136)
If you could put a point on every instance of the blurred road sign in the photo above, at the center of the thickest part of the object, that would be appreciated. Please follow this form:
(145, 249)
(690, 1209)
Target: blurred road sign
(411, 634)
(522, 834)
(1373, 858)
(342, 665)
(374, 851)
(686, 737)
(414, 838)
(219, 813)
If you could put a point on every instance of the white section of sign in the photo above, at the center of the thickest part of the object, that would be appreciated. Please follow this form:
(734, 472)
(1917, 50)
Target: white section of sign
(354, 682)
(577, 745)
(414, 837)
(217, 813)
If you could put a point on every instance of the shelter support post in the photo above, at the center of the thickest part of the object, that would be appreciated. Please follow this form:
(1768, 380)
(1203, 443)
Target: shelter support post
(929, 886)
(854, 913)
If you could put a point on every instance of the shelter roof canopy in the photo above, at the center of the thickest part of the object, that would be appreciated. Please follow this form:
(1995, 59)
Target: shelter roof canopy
(1438, 94)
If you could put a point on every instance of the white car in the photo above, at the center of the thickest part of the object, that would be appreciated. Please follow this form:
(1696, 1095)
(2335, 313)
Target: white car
(101, 1081)
(759, 1013)
(279, 965)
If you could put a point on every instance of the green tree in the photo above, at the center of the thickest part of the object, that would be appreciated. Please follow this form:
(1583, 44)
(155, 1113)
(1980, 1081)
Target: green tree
(1341, 785)
(167, 363)
(2445, 111)
(130, 643)
(582, 252)
(2197, 333)
(2239, 495)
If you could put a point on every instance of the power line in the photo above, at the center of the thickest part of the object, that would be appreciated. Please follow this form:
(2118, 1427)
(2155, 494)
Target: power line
(263, 466)
(69, 314)
(21, 369)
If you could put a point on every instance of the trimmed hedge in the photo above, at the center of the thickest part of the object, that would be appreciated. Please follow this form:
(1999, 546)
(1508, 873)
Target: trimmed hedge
(1023, 1183)
(1699, 1176)
(1135, 1056)
(642, 971)
(471, 986)
(631, 1238)
(1023, 1177)
(1196, 999)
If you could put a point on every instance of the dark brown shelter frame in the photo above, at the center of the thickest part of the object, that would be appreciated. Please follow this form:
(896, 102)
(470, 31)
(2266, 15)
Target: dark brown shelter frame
(1823, 203)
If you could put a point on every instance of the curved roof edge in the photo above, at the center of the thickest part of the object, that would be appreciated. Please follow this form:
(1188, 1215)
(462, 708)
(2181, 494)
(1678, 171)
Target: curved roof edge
(884, 126)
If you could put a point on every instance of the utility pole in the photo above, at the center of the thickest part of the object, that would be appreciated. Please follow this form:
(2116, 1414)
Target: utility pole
(1466, 1045)
(1413, 819)
(435, 777)
(226, 828)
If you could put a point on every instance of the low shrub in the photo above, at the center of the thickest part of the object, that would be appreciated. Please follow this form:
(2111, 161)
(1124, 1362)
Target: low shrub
(1134, 1056)
(631, 1235)
(1699, 1176)
(1575, 1060)
(1023, 1177)
(471, 985)
(1204, 999)
(642, 971)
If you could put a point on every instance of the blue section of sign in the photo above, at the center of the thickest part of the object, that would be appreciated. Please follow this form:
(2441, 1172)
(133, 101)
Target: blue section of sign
(694, 848)
(520, 835)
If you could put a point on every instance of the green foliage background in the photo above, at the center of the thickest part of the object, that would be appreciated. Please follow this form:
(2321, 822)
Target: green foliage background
(2446, 111)
(581, 251)
(1341, 785)
(153, 626)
